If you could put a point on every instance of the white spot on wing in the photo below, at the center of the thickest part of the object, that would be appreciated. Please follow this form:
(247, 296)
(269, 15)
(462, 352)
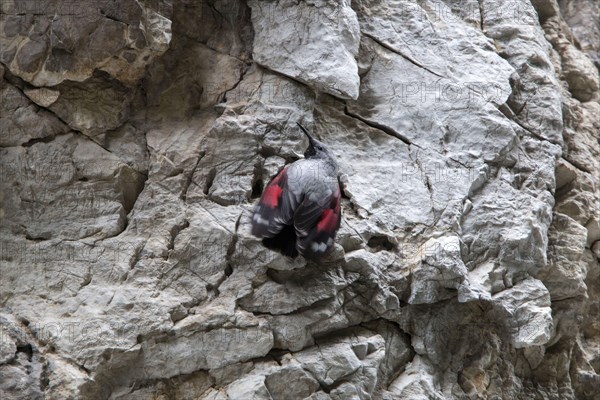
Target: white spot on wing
(318, 247)
(259, 220)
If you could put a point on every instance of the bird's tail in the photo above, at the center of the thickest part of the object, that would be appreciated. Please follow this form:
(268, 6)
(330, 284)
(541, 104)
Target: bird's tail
(284, 242)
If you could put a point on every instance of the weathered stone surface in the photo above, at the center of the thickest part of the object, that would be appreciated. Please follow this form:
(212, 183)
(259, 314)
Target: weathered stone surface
(566, 275)
(205, 350)
(296, 291)
(22, 121)
(582, 17)
(438, 271)
(415, 383)
(136, 137)
(529, 316)
(51, 41)
(93, 107)
(535, 99)
(70, 188)
(577, 70)
(44, 97)
(291, 382)
(322, 56)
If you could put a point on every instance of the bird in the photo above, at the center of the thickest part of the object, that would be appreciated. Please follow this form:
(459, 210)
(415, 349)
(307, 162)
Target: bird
(299, 211)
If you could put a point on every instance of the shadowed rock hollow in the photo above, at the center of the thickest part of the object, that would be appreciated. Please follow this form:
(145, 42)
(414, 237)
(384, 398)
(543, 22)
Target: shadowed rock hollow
(137, 135)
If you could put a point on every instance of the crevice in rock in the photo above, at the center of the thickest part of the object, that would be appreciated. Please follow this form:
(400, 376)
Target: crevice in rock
(292, 78)
(535, 135)
(36, 239)
(190, 178)
(166, 387)
(26, 349)
(111, 299)
(343, 190)
(407, 58)
(229, 265)
(176, 230)
(215, 288)
(257, 181)
(87, 279)
(577, 165)
(242, 75)
(209, 180)
(20, 85)
(481, 11)
(237, 222)
(381, 242)
(506, 109)
(266, 152)
(378, 126)
(105, 15)
(427, 183)
(130, 201)
(231, 246)
(300, 310)
(44, 378)
(184, 35)
(135, 257)
(46, 139)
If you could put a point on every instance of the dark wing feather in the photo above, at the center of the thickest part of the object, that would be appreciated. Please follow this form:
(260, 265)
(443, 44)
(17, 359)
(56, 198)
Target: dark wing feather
(274, 210)
(317, 225)
(307, 216)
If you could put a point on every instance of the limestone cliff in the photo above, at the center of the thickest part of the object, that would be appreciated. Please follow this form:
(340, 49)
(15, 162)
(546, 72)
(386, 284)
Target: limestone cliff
(136, 136)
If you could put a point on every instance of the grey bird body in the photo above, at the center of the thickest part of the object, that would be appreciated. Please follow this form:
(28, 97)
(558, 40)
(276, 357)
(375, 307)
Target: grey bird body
(304, 195)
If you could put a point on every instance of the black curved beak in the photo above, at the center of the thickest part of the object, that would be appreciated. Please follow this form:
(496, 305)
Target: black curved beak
(310, 138)
(310, 151)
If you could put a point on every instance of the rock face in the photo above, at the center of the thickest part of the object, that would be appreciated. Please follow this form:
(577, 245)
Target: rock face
(137, 135)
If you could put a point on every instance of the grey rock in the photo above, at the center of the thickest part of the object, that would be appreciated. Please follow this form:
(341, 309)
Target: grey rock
(535, 99)
(205, 350)
(22, 364)
(323, 56)
(22, 121)
(68, 188)
(438, 271)
(582, 17)
(136, 137)
(93, 107)
(64, 379)
(44, 97)
(577, 70)
(8, 347)
(348, 364)
(330, 364)
(530, 320)
(566, 276)
(298, 290)
(415, 383)
(291, 382)
(581, 127)
(68, 41)
(385, 203)
(252, 387)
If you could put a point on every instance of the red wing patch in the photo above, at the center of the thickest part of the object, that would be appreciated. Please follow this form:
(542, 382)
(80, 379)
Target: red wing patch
(274, 189)
(272, 196)
(321, 237)
(270, 214)
(330, 220)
